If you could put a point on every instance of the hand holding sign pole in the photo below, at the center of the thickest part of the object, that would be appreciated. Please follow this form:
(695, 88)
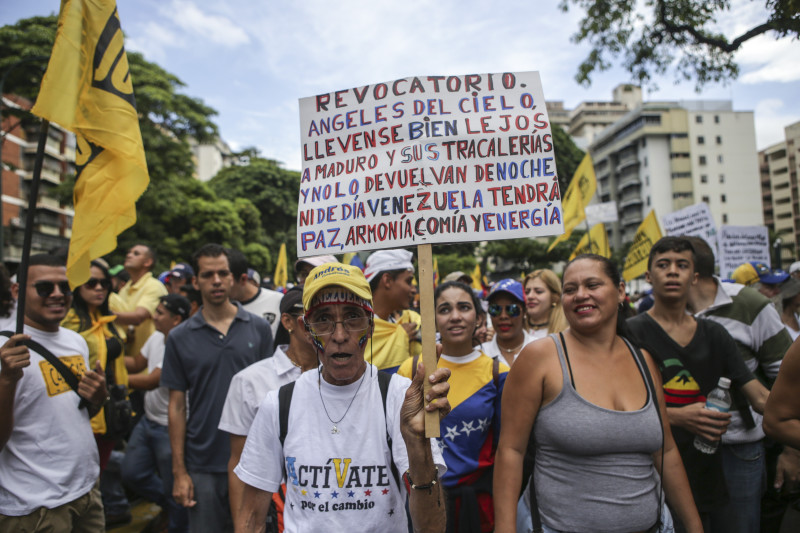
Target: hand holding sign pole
(427, 160)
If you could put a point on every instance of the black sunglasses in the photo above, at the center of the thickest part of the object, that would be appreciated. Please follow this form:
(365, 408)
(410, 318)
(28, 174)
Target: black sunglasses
(45, 288)
(104, 283)
(513, 310)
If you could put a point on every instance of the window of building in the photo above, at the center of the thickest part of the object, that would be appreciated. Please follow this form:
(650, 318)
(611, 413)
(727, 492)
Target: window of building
(703, 178)
(722, 178)
(719, 139)
(645, 160)
(702, 160)
(705, 199)
(722, 198)
(701, 139)
(698, 119)
(719, 158)
(648, 201)
(647, 180)
(724, 218)
(716, 119)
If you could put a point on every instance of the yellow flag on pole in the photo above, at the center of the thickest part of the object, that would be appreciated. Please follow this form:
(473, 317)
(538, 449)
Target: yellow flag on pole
(579, 194)
(281, 277)
(87, 89)
(648, 233)
(435, 271)
(476, 277)
(595, 241)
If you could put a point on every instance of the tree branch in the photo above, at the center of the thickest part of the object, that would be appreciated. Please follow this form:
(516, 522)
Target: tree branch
(702, 38)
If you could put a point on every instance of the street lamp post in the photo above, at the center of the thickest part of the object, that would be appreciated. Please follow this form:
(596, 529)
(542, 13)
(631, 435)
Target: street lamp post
(6, 72)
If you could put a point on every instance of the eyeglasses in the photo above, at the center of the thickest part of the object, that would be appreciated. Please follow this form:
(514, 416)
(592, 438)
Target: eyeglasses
(45, 288)
(353, 325)
(104, 283)
(209, 274)
(512, 310)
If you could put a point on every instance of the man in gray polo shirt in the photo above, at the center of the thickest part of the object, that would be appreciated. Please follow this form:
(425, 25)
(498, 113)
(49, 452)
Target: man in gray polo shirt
(202, 355)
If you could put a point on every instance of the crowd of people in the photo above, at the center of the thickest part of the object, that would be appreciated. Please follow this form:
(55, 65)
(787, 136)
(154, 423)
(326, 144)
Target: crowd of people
(562, 406)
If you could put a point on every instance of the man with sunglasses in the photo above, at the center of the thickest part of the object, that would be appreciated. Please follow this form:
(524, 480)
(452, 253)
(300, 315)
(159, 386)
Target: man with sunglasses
(506, 310)
(342, 472)
(202, 356)
(137, 300)
(48, 456)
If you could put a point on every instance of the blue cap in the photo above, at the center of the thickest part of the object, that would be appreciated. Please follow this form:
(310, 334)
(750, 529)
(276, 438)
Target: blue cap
(510, 286)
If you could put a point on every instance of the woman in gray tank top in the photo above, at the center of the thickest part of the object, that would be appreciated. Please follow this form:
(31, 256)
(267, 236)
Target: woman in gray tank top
(595, 421)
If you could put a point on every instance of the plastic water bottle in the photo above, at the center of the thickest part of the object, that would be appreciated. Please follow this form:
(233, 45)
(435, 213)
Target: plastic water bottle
(718, 399)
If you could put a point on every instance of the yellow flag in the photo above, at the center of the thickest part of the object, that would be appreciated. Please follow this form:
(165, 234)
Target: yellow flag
(348, 257)
(476, 277)
(647, 234)
(435, 271)
(579, 194)
(87, 89)
(281, 277)
(593, 242)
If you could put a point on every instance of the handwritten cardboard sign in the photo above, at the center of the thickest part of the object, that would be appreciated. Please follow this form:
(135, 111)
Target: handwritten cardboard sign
(742, 244)
(693, 221)
(425, 160)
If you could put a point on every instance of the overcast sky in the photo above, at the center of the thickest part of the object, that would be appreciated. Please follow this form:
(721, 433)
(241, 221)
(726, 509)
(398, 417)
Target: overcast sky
(252, 60)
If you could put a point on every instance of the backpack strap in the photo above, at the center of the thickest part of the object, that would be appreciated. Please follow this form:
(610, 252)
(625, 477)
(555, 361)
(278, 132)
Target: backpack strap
(69, 376)
(284, 402)
(496, 371)
(384, 379)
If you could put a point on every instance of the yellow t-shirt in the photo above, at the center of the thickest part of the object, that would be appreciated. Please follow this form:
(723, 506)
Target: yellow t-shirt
(390, 344)
(144, 293)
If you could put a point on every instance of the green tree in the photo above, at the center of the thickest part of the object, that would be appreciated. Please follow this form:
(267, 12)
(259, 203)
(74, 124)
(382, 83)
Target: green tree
(273, 191)
(177, 213)
(672, 34)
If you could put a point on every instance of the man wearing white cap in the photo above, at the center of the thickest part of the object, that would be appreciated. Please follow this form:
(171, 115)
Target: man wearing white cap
(390, 274)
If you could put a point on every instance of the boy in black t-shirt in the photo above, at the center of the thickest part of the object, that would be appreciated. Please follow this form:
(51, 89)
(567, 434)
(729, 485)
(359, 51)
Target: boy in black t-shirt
(692, 355)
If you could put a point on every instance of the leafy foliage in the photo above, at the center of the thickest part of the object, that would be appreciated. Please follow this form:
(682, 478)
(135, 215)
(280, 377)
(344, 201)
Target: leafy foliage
(671, 34)
(177, 213)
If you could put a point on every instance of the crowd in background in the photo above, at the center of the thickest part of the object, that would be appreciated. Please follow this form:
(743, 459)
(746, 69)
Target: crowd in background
(570, 407)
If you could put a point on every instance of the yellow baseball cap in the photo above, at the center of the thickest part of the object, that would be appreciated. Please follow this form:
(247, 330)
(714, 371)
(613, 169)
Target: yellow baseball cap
(336, 274)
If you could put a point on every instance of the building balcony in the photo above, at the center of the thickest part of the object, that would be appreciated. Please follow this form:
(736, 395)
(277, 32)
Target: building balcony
(631, 219)
(627, 162)
(631, 201)
(629, 181)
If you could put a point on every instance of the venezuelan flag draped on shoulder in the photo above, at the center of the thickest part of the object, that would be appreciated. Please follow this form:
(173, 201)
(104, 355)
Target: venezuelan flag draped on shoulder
(87, 89)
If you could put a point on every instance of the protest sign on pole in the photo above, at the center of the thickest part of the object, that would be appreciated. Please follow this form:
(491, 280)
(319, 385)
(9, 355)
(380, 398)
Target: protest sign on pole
(427, 160)
(636, 260)
(742, 244)
(693, 221)
(594, 241)
(601, 213)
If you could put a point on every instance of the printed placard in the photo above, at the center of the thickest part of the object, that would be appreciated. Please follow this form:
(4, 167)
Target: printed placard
(693, 221)
(601, 213)
(429, 159)
(742, 244)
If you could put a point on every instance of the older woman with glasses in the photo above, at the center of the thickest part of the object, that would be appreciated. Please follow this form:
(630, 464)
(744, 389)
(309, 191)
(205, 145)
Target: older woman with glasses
(507, 312)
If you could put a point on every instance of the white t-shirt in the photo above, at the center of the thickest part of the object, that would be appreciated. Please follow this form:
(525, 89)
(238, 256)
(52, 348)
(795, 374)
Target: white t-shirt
(267, 305)
(493, 350)
(156, 401)
(336, 482)
(250, 386)
(51, 457)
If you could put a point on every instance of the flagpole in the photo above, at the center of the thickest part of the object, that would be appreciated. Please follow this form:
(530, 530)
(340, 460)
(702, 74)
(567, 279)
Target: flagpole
(33, 195)
(589, 235)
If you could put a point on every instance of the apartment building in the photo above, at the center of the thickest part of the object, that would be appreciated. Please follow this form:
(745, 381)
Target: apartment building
(669, 155)
(779, 166)
(52, 220)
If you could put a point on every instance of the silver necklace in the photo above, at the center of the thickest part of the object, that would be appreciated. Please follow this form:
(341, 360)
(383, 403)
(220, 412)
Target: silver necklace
(335, 429)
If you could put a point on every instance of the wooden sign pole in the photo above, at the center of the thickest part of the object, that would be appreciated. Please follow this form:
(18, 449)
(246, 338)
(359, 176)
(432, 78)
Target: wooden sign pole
(426, 310)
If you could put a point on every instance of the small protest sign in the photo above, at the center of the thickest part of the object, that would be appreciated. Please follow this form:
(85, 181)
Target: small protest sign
(431, 159)
(603, 212)
(693, 221)
(742, 244)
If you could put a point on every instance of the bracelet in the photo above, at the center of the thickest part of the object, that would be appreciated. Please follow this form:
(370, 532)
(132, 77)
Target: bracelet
(428, 487)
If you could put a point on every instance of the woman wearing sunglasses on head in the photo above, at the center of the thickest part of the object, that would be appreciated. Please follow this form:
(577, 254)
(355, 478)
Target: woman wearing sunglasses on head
(470, 431)
(543, 303)
(91, 317)
(507, 313)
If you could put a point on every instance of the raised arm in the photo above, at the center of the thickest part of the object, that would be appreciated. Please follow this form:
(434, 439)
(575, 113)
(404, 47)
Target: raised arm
(426, 502)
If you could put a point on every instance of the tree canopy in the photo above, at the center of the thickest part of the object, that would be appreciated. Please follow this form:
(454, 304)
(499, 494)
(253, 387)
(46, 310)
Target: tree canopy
(177, 213)
(672, 34)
